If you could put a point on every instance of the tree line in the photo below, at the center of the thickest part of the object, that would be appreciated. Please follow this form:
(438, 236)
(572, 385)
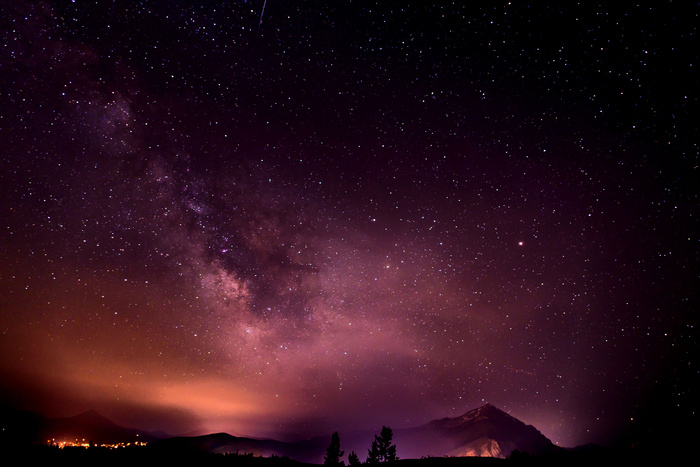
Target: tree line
(381, 450)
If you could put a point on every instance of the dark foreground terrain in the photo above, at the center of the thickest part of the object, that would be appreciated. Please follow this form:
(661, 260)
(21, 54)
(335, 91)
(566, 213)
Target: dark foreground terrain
(143, 456)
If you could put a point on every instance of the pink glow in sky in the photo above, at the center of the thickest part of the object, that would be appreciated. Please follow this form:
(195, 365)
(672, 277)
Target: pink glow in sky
(351, 217)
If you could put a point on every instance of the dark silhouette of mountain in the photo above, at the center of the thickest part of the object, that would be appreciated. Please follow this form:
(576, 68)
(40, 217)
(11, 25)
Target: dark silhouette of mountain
(483, 432)
(91, 426)
(223, 443)
(28, 427)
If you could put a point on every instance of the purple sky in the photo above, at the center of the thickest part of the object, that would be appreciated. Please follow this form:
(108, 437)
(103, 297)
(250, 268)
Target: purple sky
(362, 213)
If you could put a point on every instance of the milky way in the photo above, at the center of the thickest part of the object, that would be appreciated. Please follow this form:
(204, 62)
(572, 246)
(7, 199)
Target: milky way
(349, 214)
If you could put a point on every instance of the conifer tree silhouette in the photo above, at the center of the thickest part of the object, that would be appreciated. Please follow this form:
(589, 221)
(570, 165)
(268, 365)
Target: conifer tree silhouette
(333, 452)
(353, 460)
(373, 452)
(382, 449)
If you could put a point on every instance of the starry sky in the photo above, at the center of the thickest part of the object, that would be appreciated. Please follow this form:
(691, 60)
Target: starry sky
(289, 218)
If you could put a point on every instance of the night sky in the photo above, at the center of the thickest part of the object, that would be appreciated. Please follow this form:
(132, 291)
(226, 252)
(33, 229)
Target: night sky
(333, 215)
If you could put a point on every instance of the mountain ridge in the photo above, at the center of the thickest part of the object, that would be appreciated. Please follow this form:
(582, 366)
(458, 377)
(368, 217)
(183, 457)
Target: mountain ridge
(91, 426)
(482, 432)
(485, 431)
(85, 427)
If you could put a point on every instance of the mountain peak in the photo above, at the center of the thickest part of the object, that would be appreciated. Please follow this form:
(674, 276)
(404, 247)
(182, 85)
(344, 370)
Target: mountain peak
(487, 410)
(90, 425)
(91, 417)
(488, 407)
(488, 431)
(92, 413)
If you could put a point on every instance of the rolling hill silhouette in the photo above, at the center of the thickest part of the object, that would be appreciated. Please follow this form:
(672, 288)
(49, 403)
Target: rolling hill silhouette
(28, 427)
(483, 432)
(92, 426)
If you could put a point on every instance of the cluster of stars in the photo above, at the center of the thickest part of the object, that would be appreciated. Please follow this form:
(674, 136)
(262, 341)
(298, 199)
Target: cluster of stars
(349, 214)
